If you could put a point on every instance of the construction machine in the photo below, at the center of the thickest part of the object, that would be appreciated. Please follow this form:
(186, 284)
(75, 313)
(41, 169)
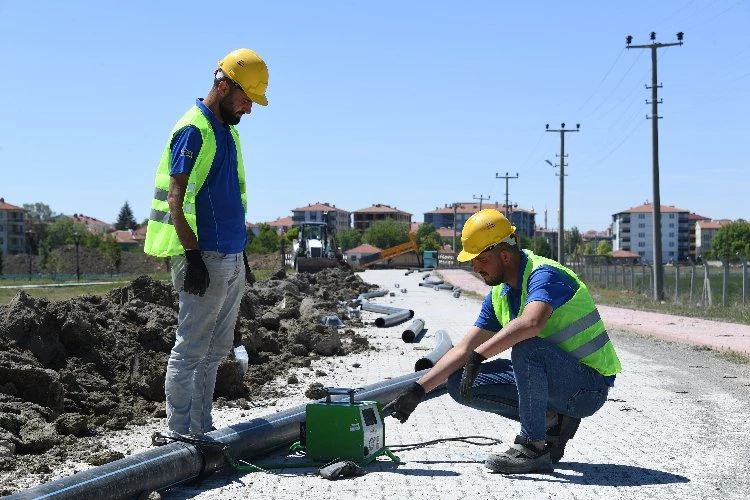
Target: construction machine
(315, 247)
(390, 253)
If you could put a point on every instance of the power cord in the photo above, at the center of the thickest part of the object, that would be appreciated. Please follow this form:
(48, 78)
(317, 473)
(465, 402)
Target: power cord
(465, 439)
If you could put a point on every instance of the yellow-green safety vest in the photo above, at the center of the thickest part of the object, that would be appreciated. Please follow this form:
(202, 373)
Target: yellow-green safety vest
(575, 327)
(161, 236)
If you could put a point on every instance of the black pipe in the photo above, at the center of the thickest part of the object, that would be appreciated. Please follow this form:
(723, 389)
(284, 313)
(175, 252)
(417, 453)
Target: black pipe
(431, 283)
(442, 345)
(367, 306)
(415, 328)
(370, 295)
(176, 463)
(394, 318)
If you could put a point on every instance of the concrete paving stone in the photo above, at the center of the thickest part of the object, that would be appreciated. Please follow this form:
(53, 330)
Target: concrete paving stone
(670, 429)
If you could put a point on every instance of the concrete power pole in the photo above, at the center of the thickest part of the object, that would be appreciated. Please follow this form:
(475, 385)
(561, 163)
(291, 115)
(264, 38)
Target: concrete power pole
(658, 261)
(507, 178)
(561, 231)
(481, 198)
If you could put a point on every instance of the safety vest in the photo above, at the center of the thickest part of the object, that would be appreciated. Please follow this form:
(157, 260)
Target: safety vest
(575, 327)
(161, 236)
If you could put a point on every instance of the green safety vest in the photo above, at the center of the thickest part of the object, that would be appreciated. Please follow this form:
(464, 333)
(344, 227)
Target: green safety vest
(575, 327)
(161, 236)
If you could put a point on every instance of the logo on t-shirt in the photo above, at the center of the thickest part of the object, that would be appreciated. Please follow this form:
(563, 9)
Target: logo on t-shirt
(186, 153)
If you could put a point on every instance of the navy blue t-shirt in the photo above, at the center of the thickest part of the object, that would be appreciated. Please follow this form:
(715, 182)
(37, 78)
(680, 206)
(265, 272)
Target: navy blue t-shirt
(219, 211)
(546, 284)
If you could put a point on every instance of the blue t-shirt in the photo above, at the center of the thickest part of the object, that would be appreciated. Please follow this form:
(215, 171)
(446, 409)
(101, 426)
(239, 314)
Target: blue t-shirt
(218, 205)
(546, 284)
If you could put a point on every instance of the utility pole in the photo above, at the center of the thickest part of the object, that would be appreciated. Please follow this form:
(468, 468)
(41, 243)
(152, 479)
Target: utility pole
(561, 231)
(481, 198)
(455, 205)
(507, 178)
(658, 262)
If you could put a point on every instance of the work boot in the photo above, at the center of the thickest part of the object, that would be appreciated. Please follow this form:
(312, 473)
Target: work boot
(522, 457)
(559, 435)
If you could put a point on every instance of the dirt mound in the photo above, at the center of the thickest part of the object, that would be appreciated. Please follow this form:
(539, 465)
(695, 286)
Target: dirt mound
(71, 368)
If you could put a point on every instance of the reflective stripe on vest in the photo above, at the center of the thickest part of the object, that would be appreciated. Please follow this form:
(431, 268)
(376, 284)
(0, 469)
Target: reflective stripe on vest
(575, 326)
(161, 236)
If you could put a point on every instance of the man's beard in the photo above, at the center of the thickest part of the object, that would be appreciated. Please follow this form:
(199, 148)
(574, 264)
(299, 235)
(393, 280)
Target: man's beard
(228, 116)
(493, 280)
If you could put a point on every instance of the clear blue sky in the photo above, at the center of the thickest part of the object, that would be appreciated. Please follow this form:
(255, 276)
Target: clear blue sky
(411, 104)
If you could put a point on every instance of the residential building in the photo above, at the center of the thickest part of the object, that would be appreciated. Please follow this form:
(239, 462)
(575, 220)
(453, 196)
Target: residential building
(93, 224)
(633, 231)
(353, 255)
(12, 228)
(705, 230)
(281, 225)
(692, 247)
(364, 217)
(128, 240)
(314, 212)
(595, 237)
(524, 220)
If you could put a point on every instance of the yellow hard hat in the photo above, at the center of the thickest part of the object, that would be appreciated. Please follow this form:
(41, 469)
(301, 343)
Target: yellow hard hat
(482, 230)
(249, 71)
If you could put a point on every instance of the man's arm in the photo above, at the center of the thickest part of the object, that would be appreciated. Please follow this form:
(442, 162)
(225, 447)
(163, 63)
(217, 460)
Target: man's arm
(527, 325)
(175, 198)
(454, 358)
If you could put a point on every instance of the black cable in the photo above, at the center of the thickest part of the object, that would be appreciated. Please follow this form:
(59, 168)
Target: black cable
(464, 439)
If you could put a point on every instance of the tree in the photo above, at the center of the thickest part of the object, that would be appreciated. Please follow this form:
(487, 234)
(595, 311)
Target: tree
(428, 238)
(38, 211)
(386, 233)
(542, 247)
(112, 252)
(125, 219)
(604, 248)
(573, 242)
(731, 242)
(349, 239)
(588, 248)
(266, 242)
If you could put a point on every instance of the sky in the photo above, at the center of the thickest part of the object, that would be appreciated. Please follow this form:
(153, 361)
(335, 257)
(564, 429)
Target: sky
(413, 104)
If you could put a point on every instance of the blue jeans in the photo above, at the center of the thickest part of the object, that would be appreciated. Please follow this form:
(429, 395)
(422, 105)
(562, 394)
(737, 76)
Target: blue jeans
(539, 376)
(205, 333)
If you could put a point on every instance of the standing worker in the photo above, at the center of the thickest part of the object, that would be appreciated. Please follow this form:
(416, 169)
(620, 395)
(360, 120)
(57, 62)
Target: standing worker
(562, 360)
(198, 221)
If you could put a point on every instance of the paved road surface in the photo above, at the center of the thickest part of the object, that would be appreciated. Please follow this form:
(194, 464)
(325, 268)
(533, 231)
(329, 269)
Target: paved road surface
(675, 426)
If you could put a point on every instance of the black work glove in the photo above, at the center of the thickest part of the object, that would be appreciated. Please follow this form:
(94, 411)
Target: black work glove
(471, 370)
(196, 274)
(405, 403)
(249, 276)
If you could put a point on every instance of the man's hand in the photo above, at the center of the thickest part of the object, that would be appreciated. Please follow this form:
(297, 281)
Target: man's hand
(196, 274)
(471, 370)
(405, 403)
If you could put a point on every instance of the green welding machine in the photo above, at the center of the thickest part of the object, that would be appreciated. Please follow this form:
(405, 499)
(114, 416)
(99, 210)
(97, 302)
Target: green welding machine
(344, 429)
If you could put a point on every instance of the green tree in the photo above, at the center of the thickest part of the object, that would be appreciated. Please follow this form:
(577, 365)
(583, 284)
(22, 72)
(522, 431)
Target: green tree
(38, 211)
(428, 238)
(542, 247)
(731, 241)
(588, 248)
(603, 248)
(573, 242)
(125, 219)
(266, 242)
(292, 234)
(386, 233)
(349, 239)
(112, 252)
(525, 242)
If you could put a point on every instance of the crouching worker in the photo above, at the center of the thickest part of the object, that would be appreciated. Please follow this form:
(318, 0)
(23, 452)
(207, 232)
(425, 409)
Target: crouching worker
(562, 362)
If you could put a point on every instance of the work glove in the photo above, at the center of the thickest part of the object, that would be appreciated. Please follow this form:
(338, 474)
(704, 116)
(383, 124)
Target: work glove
(471, 370)
(196, 274)
(249, 276)
(405, 403)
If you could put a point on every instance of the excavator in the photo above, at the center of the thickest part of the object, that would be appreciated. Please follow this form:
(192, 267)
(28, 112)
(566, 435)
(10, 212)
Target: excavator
(315, 247)
(390, 253)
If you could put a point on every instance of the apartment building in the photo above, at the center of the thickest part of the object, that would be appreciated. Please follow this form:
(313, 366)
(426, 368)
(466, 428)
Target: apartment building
(705, 230)
(314, 213)
(12, 228)
(451, 215)
(363, 218)
(633, 230)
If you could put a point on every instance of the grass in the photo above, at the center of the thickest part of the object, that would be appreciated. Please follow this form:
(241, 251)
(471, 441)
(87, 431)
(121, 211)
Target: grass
(69, 289)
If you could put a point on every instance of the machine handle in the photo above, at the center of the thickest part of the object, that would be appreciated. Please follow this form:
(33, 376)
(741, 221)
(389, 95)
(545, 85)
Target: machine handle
(339, 391)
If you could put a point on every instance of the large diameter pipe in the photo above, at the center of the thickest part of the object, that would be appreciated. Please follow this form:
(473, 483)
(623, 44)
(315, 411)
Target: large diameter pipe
(378, 308)
(370, 295)
(167, 466)
(393, 318)
(414, 329)
(443, 344)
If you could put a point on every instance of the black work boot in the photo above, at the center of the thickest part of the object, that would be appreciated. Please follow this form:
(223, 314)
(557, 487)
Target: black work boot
(522, 457)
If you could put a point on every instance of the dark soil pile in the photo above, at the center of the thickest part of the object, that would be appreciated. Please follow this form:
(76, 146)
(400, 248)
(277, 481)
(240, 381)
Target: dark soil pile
(69, 369)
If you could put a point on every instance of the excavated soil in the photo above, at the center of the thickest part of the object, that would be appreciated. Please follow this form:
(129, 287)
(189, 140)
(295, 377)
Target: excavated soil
(72, 369)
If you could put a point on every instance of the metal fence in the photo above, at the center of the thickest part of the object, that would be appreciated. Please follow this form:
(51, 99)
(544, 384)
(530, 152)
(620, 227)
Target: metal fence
(700, 284)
